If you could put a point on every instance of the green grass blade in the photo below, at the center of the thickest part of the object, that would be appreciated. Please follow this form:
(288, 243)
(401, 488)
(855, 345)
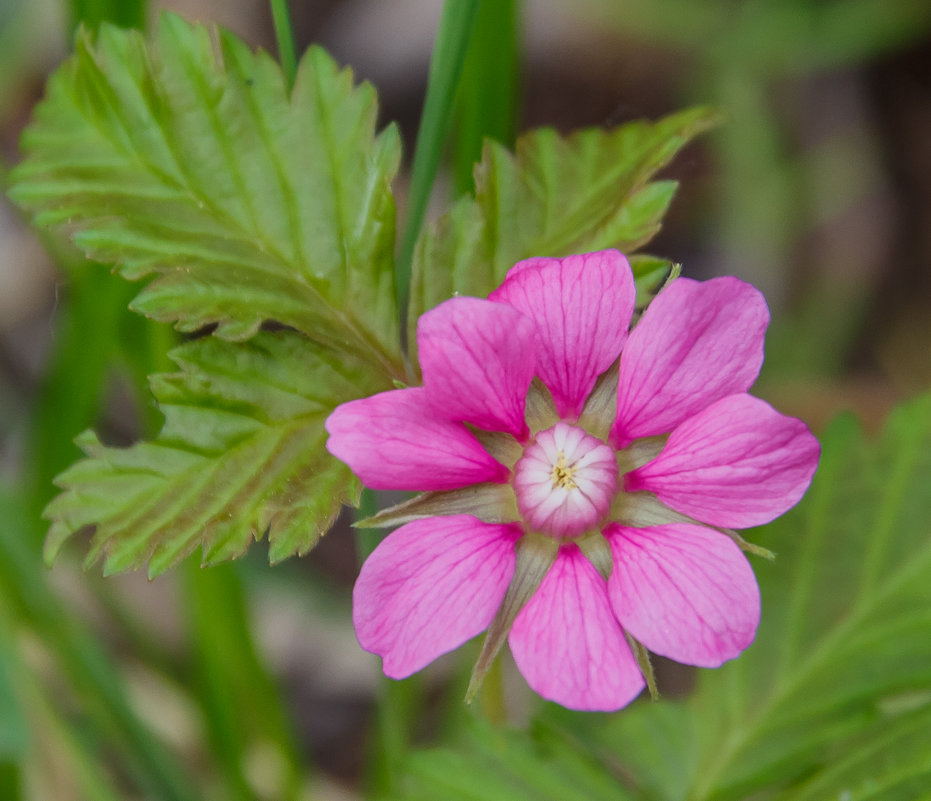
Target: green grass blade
(14, 730)
(72, 390)
(398, 707)
(284, 34)
(242, 705)
(449, 53)
(75, 749)
(486, 106)
(125, 13)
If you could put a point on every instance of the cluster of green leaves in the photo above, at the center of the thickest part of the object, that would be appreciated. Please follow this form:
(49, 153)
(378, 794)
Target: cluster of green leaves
(832, 701)
(554, 196)
(243, 202)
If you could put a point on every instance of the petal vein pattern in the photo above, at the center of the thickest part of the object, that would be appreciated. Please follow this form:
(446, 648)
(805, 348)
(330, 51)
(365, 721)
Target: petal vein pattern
(429, 587)
(739, 463)
(696, 343)
(477, 360)
(568, 644)
(686, 592)
(581, 307)
(392, 441)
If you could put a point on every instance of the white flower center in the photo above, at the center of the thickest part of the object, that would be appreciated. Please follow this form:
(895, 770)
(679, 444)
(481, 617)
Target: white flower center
(565, 481)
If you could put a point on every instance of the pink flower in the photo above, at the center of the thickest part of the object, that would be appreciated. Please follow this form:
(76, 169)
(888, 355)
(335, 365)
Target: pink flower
(581, 480)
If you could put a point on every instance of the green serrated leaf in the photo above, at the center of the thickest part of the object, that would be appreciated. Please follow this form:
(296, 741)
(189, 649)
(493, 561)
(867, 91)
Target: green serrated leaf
(241, 454)
(189, 162)
(553, 197)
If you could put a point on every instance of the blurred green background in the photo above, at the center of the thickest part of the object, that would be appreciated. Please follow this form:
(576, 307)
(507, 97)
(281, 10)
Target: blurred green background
(245, 681)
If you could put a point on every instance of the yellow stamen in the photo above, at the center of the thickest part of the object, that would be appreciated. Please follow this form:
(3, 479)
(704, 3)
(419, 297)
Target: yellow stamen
(562, 474)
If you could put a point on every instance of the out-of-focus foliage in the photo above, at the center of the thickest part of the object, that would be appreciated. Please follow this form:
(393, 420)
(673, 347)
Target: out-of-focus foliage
(801, 203)
(31, 611)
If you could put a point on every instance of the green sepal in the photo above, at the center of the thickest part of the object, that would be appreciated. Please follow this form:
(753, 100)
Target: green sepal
(651, 275)
(535, 554)
(490, 503)
(642, 655)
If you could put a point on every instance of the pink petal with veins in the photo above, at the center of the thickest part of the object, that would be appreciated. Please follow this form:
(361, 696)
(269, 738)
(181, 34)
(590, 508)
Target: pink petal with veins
(394, 440)
(739, 463)
(567, 643)
(696, 343)
(477, 359)
(684, 591)
(581, 306)
(429, 587)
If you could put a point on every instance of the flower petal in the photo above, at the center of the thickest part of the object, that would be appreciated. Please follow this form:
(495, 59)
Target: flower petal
(581, 306)
(529, 264)
(739, 463)
(684, 591)
(429, 587)
(696, 343)
(393, 440)
(477, 359)
(567, 643)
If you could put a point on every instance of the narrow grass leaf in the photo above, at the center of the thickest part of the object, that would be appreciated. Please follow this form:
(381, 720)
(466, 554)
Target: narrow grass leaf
(449, 52)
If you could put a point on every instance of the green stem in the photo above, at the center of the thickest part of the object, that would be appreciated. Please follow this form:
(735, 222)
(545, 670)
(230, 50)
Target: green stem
(492, 694)
(398, 707)
(449, 52)
(240, 699)
(487, 102)
(284, 34)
